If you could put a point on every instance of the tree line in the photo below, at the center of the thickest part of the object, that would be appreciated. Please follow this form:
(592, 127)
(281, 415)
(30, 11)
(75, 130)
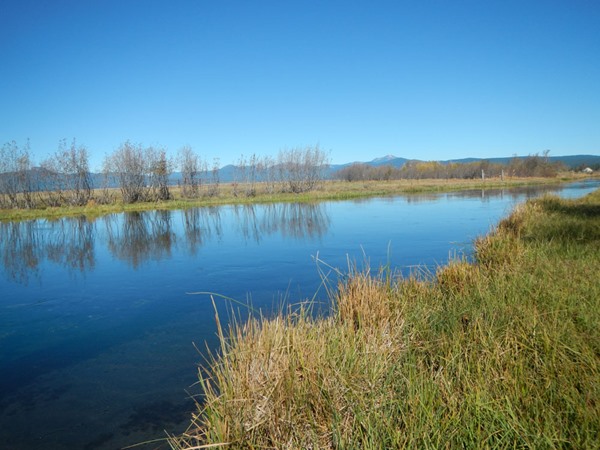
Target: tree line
(142, 174)
(530, 166)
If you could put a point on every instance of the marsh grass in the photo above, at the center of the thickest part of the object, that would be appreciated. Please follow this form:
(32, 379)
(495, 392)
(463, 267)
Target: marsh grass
(500, 353)
(226, 194)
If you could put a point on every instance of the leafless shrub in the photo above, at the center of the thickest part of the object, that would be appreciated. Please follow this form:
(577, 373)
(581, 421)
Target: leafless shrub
(106, 195)
(18, 182)
(246, 175)
(141, 173)
(190, 166)
(159, 169)
(215, 182)
(302, 169)
(268, 173)
(67, 176)
(128, 165)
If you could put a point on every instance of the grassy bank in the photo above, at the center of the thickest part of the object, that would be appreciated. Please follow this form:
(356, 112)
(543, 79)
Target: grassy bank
(226, 195)
(501, 353)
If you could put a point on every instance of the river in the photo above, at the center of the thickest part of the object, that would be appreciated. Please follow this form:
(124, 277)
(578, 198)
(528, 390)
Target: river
(104, 322)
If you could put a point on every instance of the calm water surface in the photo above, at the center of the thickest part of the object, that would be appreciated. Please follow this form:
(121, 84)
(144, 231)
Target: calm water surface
(100, 338)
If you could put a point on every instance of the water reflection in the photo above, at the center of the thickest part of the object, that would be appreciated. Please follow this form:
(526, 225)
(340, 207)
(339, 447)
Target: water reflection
(303, 221)
(20, 250)
(293, 220)
(201, 225)
(520, 193)
(514, 194)
(71, 244)
(26, 245)
(138, 237)
(72, 343)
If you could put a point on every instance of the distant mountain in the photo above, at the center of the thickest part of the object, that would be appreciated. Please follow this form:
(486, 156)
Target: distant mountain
(576, 161)
(572, 162)
(383, 159)
(226, 173)
(388, 160)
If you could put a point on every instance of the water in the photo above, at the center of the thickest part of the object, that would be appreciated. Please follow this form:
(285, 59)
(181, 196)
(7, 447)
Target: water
(101, 336)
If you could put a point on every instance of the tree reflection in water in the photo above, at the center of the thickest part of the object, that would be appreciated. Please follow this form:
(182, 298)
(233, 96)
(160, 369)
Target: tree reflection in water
(21, 251)
(137, 237)
(25, 245)
(201, 225)
(70, 243)
(293, 220)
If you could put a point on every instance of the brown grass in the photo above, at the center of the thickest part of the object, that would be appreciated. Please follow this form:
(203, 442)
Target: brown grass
(500, 353)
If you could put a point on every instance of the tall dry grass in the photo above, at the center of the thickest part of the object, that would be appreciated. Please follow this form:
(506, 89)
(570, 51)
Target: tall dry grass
(500, 353)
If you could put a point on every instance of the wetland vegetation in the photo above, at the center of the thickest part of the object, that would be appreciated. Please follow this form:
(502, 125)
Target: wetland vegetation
(96, 315)
(500, 352)
(137, 178)
(328, 190)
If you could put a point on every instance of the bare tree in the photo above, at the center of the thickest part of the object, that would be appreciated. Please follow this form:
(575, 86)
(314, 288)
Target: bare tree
(68, 175)
(17, 183)
(355, 172)
(239, 175)
(213, 190)
(106, 194)
(159, 170)
(190, 166)
(252, 174)
(268, 168)
(128, 165)
(534, 166)
(302, 169)
(246, 174)
(54, 182)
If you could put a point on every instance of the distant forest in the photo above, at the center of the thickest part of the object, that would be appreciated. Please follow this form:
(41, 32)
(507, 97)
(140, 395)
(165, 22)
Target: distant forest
(530, 166)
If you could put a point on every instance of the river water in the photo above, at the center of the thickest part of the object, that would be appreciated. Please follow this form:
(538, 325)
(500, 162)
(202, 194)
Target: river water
(104, 322)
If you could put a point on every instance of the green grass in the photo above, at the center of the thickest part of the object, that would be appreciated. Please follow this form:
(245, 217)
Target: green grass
(500, 353)
(330, 190)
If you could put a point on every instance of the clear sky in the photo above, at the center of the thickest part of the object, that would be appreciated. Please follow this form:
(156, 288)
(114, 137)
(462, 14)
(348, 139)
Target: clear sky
(419, 79)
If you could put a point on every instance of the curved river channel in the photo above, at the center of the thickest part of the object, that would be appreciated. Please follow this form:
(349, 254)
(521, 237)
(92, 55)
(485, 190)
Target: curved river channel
(100, 338)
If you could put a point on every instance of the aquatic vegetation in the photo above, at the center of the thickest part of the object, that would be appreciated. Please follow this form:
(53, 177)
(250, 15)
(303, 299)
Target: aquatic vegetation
(502, 352)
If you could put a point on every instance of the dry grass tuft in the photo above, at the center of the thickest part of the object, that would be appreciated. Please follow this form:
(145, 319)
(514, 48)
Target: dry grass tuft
(502, 353)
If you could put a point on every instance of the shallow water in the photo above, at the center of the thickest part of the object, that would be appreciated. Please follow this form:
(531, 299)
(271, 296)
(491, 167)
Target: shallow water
(100, 338)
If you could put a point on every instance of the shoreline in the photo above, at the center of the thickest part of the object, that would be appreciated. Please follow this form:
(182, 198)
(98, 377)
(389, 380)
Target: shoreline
(501, 352)
(327, 191)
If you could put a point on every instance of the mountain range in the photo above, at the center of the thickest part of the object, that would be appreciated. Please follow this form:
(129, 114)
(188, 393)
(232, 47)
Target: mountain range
(227, 173)
(572, 161)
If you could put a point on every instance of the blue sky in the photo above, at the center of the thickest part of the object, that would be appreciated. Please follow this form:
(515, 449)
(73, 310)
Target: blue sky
(420, 79)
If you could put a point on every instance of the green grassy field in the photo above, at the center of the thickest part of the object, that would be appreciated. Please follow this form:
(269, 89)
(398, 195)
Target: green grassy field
(503, 352)
(226, 194)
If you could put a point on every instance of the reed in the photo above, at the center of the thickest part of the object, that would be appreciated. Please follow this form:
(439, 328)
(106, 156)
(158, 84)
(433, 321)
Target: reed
(501, 352)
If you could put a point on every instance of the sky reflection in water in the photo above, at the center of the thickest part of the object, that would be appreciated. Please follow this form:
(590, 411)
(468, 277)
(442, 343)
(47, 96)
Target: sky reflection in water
(96, 321)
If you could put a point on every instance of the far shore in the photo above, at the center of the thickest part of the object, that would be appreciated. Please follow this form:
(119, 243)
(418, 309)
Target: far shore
(500, 351)
(327, 190)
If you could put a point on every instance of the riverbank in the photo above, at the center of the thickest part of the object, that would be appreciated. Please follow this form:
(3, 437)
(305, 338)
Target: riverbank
(503, 352)
(229, 194)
